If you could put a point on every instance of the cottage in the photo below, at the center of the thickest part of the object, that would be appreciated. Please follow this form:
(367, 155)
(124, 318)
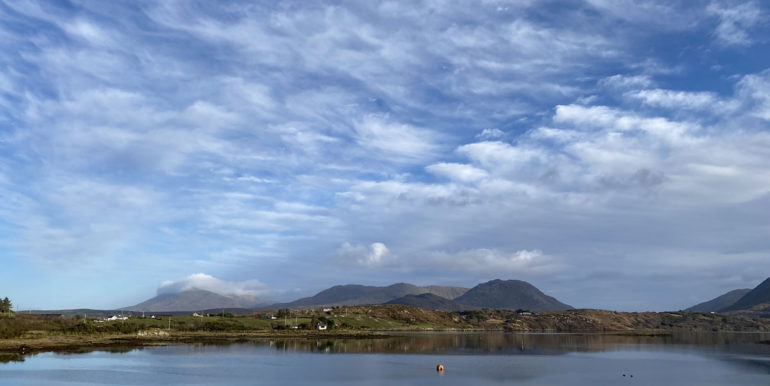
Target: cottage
(320, 326)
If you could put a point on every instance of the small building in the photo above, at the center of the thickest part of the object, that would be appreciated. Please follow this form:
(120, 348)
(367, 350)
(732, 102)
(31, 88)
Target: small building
(197, 315)
(320, 326)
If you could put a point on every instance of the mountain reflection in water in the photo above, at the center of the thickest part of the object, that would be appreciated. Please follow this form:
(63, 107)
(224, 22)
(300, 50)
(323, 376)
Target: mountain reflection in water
(411, 358)
(524, 344)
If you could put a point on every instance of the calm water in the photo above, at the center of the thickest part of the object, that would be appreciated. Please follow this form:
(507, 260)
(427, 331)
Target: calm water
(469, 359)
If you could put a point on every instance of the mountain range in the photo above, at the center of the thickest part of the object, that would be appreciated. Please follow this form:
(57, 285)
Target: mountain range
(355, 295)
(759, 295)
(737, 300)
(720, 302)
(500, 294)
(497, 294)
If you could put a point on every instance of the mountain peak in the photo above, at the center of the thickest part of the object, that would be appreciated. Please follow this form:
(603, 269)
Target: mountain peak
(759, 295)
(194, 299)
(512, 295)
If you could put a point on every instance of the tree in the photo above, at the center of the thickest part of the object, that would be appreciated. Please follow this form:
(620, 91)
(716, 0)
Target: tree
(5, 305)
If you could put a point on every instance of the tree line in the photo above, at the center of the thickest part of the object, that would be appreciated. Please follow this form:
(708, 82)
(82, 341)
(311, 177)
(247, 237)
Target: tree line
(5, 305)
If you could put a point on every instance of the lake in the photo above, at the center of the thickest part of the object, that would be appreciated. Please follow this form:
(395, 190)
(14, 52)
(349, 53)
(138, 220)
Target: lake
(411, 359)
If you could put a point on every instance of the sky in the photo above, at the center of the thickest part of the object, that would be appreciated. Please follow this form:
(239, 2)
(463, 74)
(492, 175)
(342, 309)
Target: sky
(614, 153)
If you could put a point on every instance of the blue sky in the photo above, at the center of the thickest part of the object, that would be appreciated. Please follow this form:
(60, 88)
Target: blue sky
(614, 153)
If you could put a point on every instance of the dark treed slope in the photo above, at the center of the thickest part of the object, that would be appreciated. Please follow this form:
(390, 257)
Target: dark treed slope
(720, 302)
(430, 302)
(194, 300)
(354, 294)
(759, 295)
(511, 295)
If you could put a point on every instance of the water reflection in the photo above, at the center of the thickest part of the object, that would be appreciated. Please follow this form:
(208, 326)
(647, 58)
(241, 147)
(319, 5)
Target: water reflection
(411, 358)
(478, 343)
(11, 357)
(508, 344)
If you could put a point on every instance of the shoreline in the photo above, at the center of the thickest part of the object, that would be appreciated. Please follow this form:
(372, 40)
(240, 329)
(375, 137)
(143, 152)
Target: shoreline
(65, 343)
(85, 343)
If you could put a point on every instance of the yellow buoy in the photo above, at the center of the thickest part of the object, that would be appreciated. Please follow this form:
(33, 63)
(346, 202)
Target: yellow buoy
(440, 368)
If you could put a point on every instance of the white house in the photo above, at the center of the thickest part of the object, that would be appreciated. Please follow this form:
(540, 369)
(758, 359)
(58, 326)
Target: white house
(320, 326)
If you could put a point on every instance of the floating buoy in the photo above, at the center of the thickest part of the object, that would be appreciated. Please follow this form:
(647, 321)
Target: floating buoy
(440, 368)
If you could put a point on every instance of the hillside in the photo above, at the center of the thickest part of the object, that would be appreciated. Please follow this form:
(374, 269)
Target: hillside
(354, 294)
(446, 291)
(720, 302)
(430, 302)
(193, 300)
(757, 296)
(510, 295)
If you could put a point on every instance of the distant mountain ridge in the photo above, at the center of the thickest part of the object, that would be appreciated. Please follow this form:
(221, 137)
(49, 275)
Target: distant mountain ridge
(356, 294)
(498, 294)
(194, 300)
(757, 296)
(720, 302)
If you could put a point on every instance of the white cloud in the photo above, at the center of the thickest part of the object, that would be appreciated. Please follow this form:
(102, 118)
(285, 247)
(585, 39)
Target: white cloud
(496, 262)
(457, 172)
(206, 282)
(489, 134)
(753, 93)
(670, 99)
(619, 81)
(395, 141)
(734, 21)
(660, 14)
(613, 120)
(502, 158)
(375, 255)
